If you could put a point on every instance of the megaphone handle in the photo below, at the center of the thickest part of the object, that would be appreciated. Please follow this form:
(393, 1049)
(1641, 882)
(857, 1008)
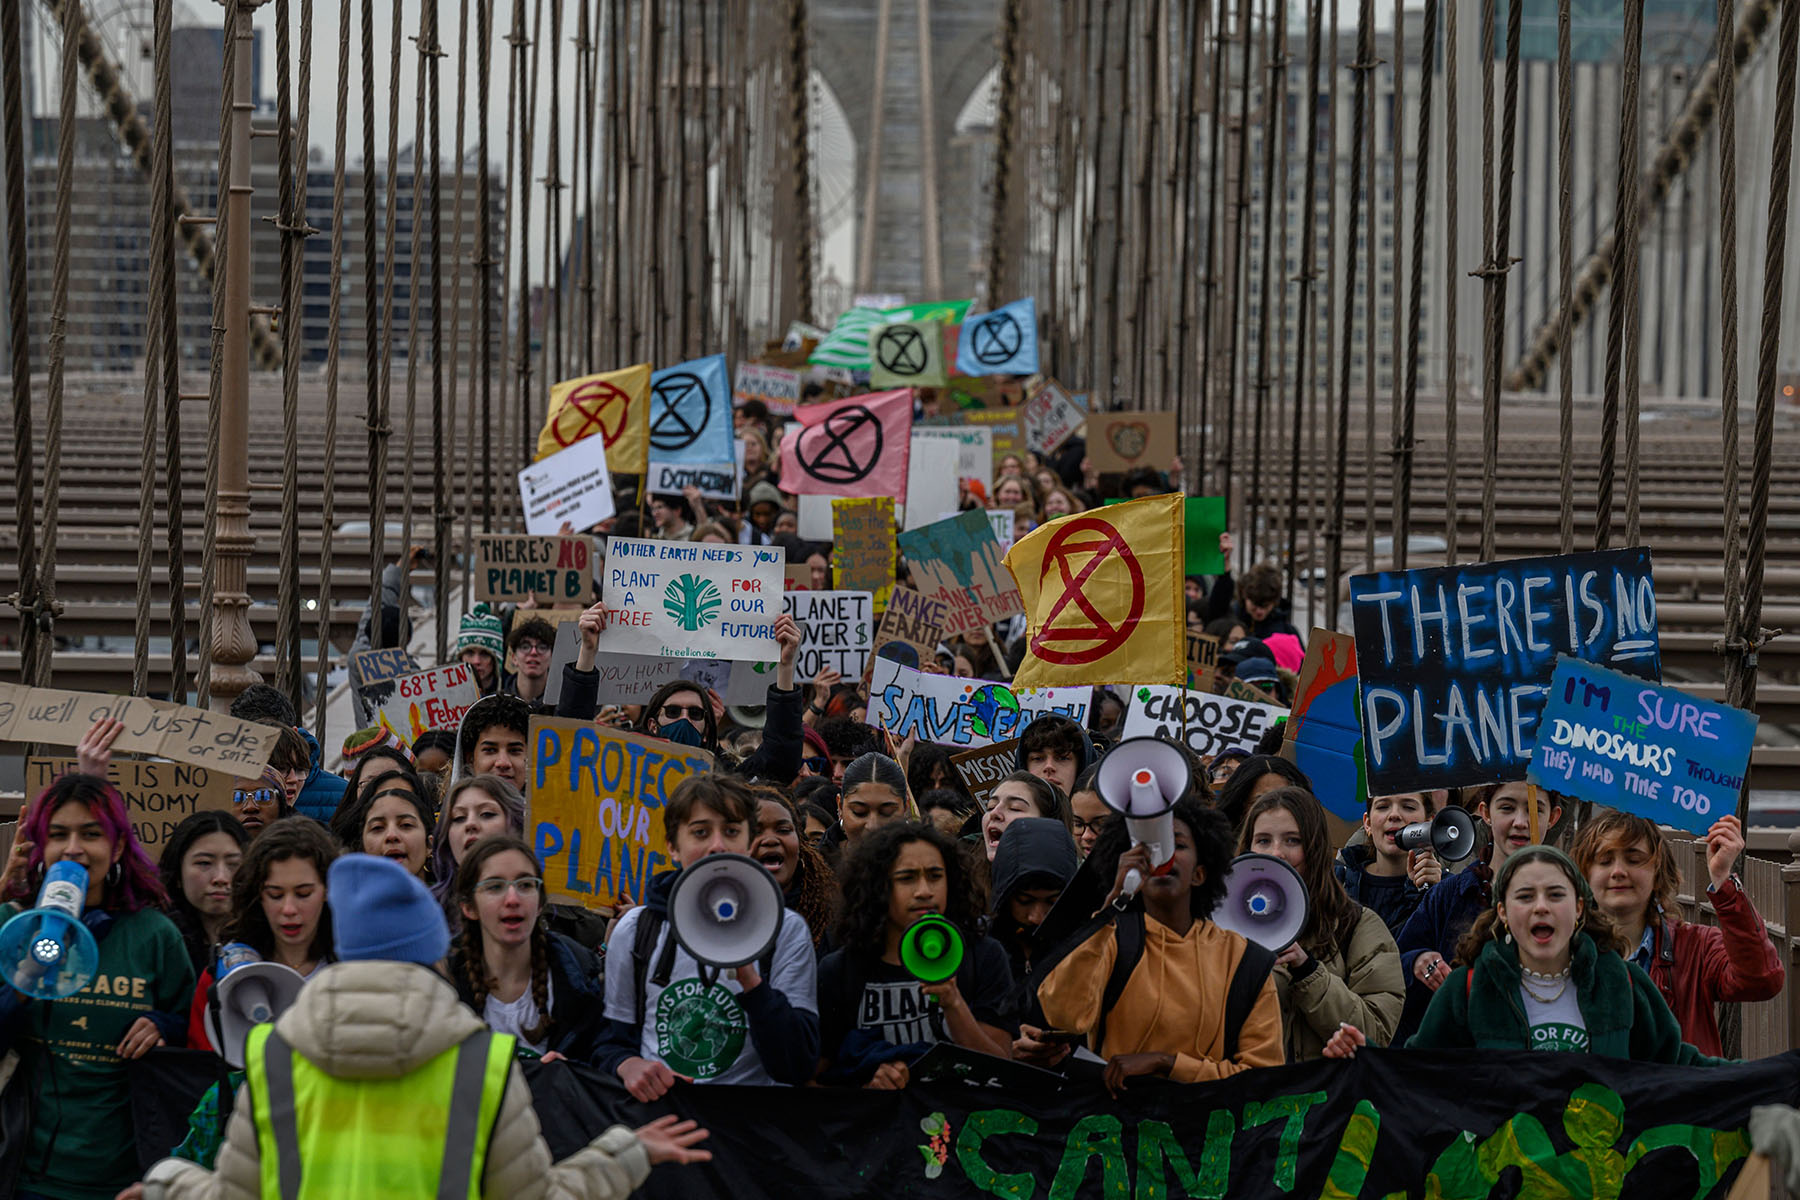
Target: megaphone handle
(1134, 880)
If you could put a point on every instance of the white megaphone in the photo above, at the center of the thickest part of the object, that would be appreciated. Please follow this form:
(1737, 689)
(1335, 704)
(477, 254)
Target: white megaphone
(1450, 835)
(1141, 778)
(1264, 901)
(248, 992)
(725, 910)
(46, 952)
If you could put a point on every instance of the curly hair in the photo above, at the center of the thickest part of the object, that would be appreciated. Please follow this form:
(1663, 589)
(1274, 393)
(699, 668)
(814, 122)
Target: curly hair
(812, 892)
(1594, 921)
(1331, 915)
(863, 916)
(1212, 853)
(1612, 828)
(923, 767)
(470, 960)
(290, 837)
(134, 886)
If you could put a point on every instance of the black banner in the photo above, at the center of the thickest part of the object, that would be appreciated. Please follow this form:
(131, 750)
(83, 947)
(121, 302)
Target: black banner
(1386, 1125)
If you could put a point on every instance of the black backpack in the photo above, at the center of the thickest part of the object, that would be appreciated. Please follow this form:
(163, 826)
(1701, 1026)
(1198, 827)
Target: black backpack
(649, 925)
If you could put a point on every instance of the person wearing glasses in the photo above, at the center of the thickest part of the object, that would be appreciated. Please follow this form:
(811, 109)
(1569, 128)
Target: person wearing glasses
(508, 966)
(529, 646)
(259, 803)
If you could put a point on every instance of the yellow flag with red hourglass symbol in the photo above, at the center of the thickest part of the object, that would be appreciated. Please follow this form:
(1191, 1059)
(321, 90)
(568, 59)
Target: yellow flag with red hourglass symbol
(1103, 597)
(615, 406)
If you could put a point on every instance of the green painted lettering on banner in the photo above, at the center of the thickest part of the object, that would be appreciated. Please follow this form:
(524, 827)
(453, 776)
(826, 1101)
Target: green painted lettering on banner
(1293, 1110)
(978, 1128)
(1098, 1135)
(1156, 1145)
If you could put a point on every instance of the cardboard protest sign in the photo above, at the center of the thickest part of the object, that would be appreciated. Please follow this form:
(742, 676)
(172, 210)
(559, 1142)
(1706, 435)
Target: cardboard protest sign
(1102, 593)
(1123, 441)
(862, 546)
(1324, 734)
(691, 599)
(1005, 428)
(958, 563)
(836, 630)
(777, 387)
(1455, 661)
(158, 795)
(1214, 724)
(377, 666)
(551, 569)
(690, 412)
(1051, 417)
(596, 808)
(954, 711)
(635, 678)
(852, 447)
(571, 485)
(911, 628)
(1202, 661)
(1237, 689)
(982, 770)
(196, 736)
(796, 577)
(716, 480)
(613, 406)
(940, 460)
(434, 699)
(1001, 342)
(907, 354)
(1641, 747)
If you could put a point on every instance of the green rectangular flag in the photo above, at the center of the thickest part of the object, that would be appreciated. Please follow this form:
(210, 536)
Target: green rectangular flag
(907, 354)
(1205, 521)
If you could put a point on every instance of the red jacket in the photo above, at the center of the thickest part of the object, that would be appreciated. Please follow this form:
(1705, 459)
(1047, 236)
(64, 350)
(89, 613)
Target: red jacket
(1696, 966)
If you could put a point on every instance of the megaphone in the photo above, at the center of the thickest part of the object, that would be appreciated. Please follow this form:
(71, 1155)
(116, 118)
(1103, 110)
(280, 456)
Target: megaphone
(248, 992)
(46, 952)
(725, 910)
(1264, 901)
(1141, 778)
(931, 949)
(1450, 835)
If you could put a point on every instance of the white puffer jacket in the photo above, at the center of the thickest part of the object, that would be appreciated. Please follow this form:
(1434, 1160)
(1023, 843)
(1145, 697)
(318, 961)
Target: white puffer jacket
(380, 1020)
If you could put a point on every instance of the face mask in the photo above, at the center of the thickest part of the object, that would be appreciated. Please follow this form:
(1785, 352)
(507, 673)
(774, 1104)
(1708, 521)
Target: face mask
(682, 732)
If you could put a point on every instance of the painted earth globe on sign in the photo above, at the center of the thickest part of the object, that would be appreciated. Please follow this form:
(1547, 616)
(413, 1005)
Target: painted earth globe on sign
(990, 702)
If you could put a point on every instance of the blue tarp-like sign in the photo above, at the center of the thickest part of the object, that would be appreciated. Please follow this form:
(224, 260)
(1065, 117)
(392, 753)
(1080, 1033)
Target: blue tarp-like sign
(1641, 747)
(690, 413)
(1456, 662)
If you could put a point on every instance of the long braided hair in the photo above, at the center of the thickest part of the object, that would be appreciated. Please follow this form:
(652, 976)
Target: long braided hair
(471, 964)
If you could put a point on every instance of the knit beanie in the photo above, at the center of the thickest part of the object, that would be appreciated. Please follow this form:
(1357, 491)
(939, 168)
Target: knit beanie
(375, 737)
(480, 630)
(396, 919)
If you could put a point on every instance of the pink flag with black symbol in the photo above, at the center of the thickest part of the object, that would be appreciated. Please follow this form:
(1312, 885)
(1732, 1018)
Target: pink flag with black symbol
(852, 447)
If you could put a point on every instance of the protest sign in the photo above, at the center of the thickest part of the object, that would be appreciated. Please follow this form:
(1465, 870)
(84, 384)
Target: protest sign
(814, 513)
(862, 546)
(853, 447)
(716, 480)
(1050, 416)
(796, 576)
(777, 387)
(1324, 735)
(1202, 661)
(596, 808)
(572, 486)
(158, 795)
(1204, 521)
(958, 563)
(377, 666)
(940, 460)
(1237, 689)
(612, 407)
(911, 628)
(1001, 520)
(1641, 747)
(190, 735)
(551, 569)
(1005, 428)
(1455, 661)
(434, 699)
(635, 678)
(983, 769)
(836, 629)
(1123, 441)
(1214, 724)
(962, 712)
(690, 412)
(691, 600)
(1001, 342)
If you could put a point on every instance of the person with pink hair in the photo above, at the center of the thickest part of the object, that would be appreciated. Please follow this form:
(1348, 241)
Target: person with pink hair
(74, 1050)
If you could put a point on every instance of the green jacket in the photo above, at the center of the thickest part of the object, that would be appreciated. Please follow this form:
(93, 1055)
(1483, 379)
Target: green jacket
(1479, 1008)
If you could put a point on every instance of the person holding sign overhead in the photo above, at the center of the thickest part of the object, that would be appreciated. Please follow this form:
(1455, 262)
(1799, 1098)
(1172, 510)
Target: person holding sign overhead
(1634, 878)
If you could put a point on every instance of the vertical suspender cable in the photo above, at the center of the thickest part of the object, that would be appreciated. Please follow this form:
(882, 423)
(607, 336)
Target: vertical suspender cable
(59, 328)
(1240, 250)
(162, 294)
(555, 275)
(1452, 280)
(1184, 208)
(415, 280)
(1625, 291)
(1316, 501)
(1365, 52)
(440, 426)
(1370, 232)
(1728, 317)
(526, 97)
(1306, 373)
(1565, 267)
(1624, 244)
(1403, 443)
(1396, 124)
(290, 220)
(161, 255)
(459, 359)
(19, 317)
(1273, 90)
(1209, 321)
(1490, 401)
(215, 389)
(333, 345)
(390, 244)
(376, 420)
(484, 257)
(1005, 122)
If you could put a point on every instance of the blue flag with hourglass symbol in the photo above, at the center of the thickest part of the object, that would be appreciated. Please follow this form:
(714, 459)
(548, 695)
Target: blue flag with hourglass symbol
(1002, 342)
(690, 413)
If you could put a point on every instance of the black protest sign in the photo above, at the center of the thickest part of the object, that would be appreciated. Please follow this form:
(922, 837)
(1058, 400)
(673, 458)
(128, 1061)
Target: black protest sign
(1455, 662)
(983, 769)
(553, 569)
(158, 795)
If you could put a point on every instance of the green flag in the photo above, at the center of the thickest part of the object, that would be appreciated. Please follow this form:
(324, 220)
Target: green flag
(907, 354)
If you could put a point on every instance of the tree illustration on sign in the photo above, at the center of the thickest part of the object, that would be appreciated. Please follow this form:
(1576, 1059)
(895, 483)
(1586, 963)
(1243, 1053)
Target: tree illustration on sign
(692, 602)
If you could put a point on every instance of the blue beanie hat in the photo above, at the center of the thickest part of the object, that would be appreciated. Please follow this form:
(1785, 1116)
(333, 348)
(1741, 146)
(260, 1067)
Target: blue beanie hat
(384, 913)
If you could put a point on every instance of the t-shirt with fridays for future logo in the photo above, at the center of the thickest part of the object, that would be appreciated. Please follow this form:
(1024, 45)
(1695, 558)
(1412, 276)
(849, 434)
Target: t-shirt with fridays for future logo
(698, 1029)
(1555, 1024)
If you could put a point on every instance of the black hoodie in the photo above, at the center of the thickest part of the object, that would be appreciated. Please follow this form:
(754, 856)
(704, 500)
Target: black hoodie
(1034, 852)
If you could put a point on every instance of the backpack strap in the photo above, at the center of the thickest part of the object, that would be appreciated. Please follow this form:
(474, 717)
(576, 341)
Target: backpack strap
(643, 945)
(1246, 985)
(765, 963)
(1129, 930)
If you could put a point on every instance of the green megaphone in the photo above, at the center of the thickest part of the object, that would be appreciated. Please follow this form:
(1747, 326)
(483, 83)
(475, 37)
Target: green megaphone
(931, 949)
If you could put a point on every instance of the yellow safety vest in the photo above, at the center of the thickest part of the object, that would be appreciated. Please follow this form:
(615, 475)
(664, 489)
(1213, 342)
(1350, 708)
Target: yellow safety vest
(424, 1134)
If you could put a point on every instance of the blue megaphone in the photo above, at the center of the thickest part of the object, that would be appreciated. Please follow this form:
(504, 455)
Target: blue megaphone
(46, 952)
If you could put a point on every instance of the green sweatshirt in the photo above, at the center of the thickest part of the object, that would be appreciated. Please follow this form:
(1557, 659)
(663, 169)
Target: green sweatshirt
(1626, 1017)
(81, 1136)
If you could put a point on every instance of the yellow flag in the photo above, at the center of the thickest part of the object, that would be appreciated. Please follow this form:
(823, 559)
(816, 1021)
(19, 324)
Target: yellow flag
(615, 405)
(1102, 592)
